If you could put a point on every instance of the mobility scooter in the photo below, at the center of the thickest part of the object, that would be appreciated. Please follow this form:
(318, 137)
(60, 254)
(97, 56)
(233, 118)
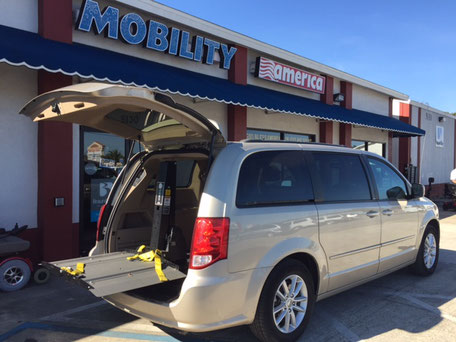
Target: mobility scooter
(16, 271)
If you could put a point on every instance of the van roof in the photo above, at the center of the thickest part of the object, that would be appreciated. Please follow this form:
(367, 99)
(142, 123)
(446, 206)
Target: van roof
(250, 144)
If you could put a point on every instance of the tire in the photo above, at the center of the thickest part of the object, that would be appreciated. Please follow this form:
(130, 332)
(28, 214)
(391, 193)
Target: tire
(14, 275)
(428, 254)
(270, 327)
(41, 276)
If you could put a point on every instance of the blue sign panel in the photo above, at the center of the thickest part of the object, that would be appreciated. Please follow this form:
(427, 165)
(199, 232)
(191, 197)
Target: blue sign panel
(153, 35)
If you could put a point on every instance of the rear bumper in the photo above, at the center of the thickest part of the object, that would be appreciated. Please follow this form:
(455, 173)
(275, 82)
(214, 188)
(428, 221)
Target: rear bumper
(206, 302)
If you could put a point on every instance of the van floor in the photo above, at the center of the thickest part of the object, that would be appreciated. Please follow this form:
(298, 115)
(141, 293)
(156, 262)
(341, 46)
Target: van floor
(160, 293)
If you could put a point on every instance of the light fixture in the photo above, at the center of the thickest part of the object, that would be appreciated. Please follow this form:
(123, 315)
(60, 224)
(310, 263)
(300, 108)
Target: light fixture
(338, 97)
(442, 119)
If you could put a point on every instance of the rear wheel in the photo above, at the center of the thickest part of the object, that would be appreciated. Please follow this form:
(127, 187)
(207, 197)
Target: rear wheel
(14, 275)
(285, 304)
(428, 254)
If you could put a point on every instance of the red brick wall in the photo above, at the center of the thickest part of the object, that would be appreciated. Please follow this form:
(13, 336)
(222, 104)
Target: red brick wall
(55, 146)
(237, 115)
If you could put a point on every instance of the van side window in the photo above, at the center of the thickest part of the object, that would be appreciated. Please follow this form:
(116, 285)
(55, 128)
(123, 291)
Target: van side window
(342, 177)
(389, 184)
(274, 178)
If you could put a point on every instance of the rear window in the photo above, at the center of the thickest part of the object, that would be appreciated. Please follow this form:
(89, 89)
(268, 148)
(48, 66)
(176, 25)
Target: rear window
(184, 174)
(274, 178)
(342, 177)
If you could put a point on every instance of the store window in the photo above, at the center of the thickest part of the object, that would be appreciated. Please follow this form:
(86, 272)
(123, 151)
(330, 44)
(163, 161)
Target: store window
(374, 147)
(255, 134)
(103, 156)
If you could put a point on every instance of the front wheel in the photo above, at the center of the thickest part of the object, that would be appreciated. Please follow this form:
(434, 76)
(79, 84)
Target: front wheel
(428, 254)
(285, 304)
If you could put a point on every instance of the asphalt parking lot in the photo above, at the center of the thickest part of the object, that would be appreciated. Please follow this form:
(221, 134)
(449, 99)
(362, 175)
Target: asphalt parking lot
(398, 307)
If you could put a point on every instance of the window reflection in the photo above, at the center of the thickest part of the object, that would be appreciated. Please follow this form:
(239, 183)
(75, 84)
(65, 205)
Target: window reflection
(255, 134)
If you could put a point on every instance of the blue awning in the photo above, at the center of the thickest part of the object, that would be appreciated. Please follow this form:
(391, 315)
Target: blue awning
(23, 48)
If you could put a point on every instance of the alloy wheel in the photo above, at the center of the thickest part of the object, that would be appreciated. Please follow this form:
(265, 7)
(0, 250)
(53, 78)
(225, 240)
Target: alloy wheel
(430, 250)
(290, 304)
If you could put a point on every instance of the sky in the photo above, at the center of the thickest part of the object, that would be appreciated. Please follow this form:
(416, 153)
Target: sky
(405, 45)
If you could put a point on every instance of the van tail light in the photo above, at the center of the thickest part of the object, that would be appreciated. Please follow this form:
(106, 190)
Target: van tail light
(100, 219)
(210, 242)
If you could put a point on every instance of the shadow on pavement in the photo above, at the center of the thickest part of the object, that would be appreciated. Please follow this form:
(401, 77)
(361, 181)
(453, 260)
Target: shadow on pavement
(400, 301)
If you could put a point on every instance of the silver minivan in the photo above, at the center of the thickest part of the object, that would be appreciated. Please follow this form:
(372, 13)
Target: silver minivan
(199, 234)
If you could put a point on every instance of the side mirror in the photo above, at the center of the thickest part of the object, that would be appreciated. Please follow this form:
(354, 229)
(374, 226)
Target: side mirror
(417, 190)
(396, 193)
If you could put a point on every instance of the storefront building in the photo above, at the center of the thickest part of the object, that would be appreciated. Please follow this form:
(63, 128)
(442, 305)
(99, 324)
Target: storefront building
(56, 175)
(427, 159)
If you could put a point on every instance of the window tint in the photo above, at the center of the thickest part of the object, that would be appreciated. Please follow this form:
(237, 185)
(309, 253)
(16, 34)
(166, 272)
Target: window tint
(342, 177)
(272, 178)
(389, 184)
(184, 173)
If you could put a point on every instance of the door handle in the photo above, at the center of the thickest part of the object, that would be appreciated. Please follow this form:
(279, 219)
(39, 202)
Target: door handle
(372, 213)
(387, 212)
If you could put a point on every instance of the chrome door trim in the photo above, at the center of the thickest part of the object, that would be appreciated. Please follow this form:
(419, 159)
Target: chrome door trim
(408, 250)
(331, 275)
(356, 251)
(397, 240)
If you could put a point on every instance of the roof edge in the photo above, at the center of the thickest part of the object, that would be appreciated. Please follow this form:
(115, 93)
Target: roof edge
(241, 39)
(430, 108)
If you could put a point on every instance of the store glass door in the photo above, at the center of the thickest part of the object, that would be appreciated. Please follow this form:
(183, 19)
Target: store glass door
(102, 158)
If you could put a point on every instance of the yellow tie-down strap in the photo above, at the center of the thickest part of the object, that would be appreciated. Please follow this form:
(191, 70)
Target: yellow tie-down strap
(76, 272)
(149, 257)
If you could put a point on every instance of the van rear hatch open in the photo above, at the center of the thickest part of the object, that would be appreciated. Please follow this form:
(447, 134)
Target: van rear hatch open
(111, 273)
(133, 113)
(129, 112)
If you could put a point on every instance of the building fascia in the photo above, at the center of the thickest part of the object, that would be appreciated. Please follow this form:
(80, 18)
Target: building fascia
(431, 109)
(251, 43)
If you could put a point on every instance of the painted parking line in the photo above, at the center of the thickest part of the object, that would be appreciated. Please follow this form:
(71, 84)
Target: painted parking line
(89, 332)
